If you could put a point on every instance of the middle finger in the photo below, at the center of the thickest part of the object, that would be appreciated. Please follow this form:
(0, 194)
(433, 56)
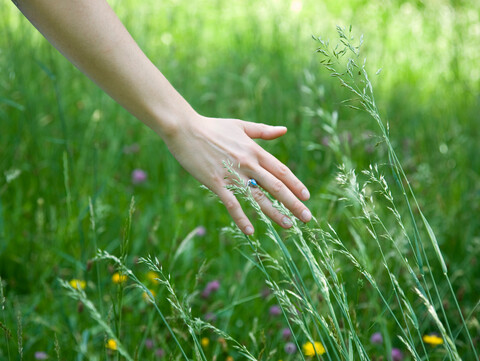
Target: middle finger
(283, 194)
(267, 207)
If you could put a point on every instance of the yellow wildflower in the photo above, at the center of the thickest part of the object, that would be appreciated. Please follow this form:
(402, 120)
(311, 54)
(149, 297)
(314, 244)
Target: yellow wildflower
(229, 358)
(118, 278)
(152, 276)
(111, 344)
(205, 341)
(312, 349)
(78, 284)
(433, 340)
(146, 296)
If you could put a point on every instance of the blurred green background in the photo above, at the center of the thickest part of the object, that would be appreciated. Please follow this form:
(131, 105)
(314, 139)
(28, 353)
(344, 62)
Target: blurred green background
(64, 142)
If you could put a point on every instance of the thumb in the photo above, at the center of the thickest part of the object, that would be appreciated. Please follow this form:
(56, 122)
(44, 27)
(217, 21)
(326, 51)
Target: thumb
(263, 131)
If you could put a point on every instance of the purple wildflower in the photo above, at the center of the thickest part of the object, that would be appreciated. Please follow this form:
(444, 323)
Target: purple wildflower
(159, 352)
(40, 355)
(212, 286)
(139, 176)
(286, 333)
(200, 231)
(275, 310)
(149, 343)
(290, 348)
(376, 338)
(397, 355)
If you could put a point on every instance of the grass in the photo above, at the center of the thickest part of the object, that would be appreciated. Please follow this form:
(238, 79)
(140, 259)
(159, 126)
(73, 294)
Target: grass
(67, 158)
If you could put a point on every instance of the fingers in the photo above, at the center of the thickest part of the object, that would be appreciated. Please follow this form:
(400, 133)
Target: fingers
(263, 131)
(282, 193)
(235, 210)
(273, 176)
(285, 175)
(272, 164)
(270, 211)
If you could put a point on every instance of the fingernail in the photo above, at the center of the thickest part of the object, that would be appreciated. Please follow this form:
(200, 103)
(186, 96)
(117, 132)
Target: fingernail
(249, 230)
(287, 222)
(306, 215)
(305, 194)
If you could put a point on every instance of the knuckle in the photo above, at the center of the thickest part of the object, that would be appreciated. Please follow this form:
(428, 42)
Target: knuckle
(258, 195)
(297, 186)
(298, 208)
(277, 186)
(244, 161)
(217, 180)
(230, 205)
(283, 171)
(242, 222)
(252, 149)
(263, 130)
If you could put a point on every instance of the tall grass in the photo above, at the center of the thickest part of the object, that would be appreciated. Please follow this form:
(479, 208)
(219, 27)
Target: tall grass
(305, 263)
(355, 78)
(66, 158)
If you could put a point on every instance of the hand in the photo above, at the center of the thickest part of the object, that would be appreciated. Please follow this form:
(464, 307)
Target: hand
(90, 35)
(202, 144)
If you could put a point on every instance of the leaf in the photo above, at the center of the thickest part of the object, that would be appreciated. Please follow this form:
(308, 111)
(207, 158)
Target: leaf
(434, 243)
(12, 104)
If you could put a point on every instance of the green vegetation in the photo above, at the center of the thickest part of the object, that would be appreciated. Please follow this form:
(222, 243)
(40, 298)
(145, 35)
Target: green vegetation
(370, 264)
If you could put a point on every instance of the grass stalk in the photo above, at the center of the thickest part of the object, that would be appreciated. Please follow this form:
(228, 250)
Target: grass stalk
(6, 332)
(365, 94)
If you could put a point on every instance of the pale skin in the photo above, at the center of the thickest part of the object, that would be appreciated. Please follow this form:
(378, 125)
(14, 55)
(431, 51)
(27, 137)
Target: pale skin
(90, 35)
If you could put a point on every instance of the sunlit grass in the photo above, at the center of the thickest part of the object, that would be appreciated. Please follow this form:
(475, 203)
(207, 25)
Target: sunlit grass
(70, 161)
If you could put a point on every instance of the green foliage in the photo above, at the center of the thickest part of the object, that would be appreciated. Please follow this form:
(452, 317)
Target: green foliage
(67, 153)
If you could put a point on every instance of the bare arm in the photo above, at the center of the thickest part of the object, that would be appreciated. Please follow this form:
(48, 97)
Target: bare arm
(91, 36)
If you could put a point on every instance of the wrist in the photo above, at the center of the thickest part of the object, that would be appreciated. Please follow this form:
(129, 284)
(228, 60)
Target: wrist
(167, 117)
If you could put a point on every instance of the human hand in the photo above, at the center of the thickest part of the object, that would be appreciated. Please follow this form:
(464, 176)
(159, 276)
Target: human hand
(202, 144)
(90, 35)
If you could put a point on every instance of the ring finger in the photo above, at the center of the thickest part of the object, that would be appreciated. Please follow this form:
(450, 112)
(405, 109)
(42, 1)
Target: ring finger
(283, 194)
(268, 208)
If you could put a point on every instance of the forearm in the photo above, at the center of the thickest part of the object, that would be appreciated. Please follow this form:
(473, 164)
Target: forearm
(90, 35)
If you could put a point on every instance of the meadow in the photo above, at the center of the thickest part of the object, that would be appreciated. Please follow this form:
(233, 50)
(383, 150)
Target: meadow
(109, 250)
